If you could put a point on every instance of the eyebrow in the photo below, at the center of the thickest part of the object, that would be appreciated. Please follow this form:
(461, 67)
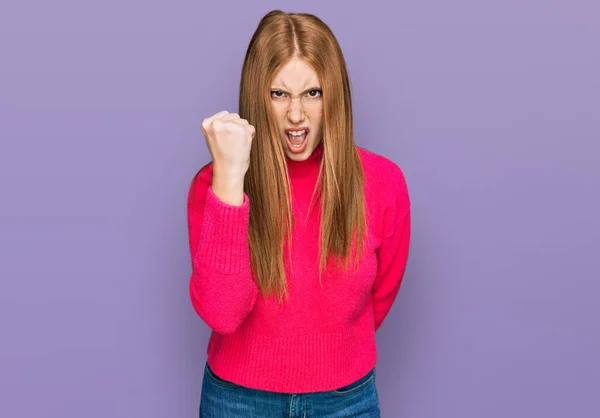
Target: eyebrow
(305, 90)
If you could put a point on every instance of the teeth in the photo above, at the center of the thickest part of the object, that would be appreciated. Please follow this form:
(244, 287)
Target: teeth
(296, 133)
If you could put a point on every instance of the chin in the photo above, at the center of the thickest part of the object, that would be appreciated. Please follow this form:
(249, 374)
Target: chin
(299, 156)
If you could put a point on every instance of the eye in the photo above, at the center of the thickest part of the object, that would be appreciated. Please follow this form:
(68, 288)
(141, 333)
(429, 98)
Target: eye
(277, 93)
(315, 93)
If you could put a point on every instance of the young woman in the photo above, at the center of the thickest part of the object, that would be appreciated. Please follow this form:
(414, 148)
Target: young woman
(299, 239)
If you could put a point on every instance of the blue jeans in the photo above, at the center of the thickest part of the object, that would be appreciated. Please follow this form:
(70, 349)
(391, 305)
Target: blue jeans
(224, 399)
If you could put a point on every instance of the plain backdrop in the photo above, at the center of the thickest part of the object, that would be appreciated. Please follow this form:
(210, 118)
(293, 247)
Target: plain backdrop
(491, 109)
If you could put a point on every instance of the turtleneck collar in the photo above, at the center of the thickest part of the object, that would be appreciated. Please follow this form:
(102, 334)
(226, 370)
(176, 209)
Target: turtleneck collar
(308, 167)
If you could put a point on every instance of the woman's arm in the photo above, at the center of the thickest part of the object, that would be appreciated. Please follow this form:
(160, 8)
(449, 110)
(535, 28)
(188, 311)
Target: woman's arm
(222, 287)
(392, 254)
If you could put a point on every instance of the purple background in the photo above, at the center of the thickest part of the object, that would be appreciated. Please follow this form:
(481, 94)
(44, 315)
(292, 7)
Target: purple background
(491, 110)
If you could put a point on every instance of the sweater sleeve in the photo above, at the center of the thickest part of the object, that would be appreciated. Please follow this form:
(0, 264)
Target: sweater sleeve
(221, 286)
(392, 255)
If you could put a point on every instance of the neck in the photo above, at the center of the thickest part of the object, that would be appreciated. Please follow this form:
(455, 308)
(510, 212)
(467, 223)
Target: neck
(307, 167)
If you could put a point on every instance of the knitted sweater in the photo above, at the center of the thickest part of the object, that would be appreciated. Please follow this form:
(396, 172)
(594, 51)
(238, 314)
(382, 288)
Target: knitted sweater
(321, 338)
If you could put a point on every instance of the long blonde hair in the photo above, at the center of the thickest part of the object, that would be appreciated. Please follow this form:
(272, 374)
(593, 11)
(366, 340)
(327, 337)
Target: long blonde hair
(278, 38)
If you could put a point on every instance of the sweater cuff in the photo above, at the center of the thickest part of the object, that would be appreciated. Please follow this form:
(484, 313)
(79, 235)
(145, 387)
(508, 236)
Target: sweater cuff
(224, 244)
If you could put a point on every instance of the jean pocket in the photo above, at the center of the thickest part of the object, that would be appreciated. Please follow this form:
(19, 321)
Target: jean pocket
(361, 383)
(217, 380)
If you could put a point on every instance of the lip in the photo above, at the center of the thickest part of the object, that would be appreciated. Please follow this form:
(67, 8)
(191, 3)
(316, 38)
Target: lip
(303, 128)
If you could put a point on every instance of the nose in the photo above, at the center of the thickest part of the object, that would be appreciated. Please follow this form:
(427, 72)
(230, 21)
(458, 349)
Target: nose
(295, 112)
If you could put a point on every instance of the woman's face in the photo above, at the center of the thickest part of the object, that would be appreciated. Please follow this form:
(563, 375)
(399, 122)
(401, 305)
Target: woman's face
(296, 100)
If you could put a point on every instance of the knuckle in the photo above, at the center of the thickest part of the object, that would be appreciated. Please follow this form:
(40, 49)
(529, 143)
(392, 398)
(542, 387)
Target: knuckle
(218, 125)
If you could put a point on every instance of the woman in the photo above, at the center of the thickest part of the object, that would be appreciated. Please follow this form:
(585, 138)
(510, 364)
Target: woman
(293, 326)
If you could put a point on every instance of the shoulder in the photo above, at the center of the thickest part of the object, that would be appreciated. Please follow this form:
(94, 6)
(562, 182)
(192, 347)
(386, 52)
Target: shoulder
(385, 179)
(380, 166)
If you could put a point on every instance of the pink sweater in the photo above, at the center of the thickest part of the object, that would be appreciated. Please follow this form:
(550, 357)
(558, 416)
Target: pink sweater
(321, 338)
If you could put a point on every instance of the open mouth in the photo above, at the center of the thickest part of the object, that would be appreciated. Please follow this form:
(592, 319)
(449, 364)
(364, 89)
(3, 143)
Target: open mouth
(297, 139)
